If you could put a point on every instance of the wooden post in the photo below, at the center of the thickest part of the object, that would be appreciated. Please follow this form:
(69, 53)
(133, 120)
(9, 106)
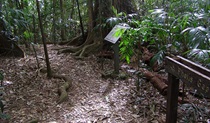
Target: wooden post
(172, 99)
(116, 57)
(113, 38)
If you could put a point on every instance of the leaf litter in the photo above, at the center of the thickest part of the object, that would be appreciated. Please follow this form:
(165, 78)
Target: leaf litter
(31, 96)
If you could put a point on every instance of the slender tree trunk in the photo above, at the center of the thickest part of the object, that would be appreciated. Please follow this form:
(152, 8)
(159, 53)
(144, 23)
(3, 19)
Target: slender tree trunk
(34, 30)
(71, 16)
(54, 14)
(0, 5)
(63, 35)
(72, 9)
(163, 3)
(49, 72)
(80, 18)
(22, 4)
(1, 22)
(18, 4)
(95, 11)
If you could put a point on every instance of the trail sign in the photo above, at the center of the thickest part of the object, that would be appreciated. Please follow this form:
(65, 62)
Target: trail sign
(193, 75)
(113, 37)
(115, 33)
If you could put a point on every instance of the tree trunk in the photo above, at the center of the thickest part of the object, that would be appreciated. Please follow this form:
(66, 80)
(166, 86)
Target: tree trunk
(49, 72)
(53, 34)
(90, 15)
(72, 9)
(124, 6)
(0, 6)
(63, 35)
(80, 18)
(1, 22)
(98, 12)
(34, 30)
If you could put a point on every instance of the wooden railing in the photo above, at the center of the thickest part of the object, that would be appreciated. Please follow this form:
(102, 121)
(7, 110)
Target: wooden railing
(195, 76)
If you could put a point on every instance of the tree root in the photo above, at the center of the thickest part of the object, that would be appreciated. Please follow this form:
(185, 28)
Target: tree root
(88, 49)
(82, 51)
(62, 90)
(74, 41)
(93, 43)
(70, 49)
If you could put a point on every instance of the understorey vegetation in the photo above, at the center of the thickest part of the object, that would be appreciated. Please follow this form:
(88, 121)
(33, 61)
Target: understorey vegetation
(173, 28)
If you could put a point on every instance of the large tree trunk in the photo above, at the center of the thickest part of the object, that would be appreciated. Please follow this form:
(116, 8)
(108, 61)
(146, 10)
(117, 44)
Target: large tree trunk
(97, 10)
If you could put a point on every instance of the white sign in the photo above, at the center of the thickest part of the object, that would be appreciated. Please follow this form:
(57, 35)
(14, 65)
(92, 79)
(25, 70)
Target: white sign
(115, 33)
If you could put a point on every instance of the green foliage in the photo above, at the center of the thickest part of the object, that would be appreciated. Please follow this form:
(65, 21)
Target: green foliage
(27, 34)
(158, 57)
(18, 18)
(140, 35)
(113, 21)
(178, 27)
(1, 76)
(118, 15)
(14, 19)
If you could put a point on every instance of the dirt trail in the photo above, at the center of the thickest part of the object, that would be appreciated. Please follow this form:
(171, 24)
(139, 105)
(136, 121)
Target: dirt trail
(92, 98)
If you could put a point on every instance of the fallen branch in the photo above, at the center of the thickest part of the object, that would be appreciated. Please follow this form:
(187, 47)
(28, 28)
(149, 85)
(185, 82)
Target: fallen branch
(156, 82)
(160, 84)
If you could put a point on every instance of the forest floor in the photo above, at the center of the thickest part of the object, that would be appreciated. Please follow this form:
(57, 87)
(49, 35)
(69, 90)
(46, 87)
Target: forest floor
(31, 96)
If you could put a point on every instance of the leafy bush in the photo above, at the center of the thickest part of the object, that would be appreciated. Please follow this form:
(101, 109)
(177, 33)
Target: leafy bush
(180, 27)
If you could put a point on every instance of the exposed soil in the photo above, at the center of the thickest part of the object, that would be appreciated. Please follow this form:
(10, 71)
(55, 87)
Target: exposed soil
(31, 96)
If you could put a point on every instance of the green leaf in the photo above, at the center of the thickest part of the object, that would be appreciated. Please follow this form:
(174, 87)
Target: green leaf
(114, 10)
(199, 54)
(150, 11)
(158, 57)
(1, 76)
(187, 29)
(112, 21)
(127, 58)
(158, 11)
